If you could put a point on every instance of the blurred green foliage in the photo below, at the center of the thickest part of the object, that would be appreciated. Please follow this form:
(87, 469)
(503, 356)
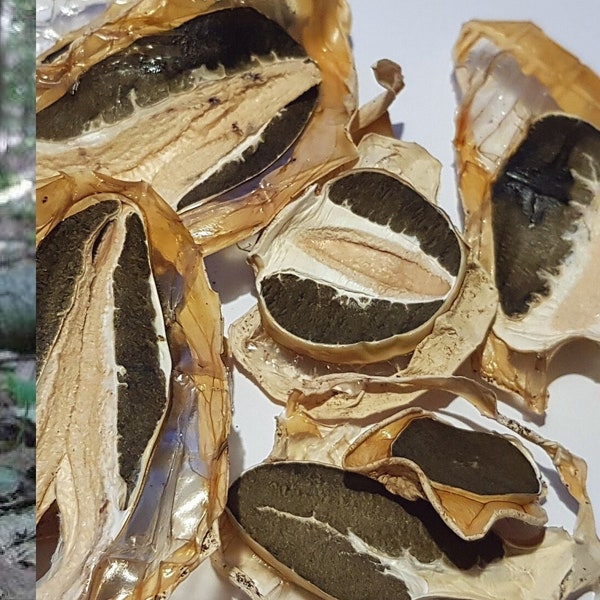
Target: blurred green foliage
(21, 391)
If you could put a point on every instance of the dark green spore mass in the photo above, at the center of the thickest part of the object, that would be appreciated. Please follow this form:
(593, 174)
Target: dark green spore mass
(156, 66)
(142, 384)
(534, 206)
(277, 137)
(476, 461)
(387, 201)
(317, 312)
(60, 261)
(303, 513)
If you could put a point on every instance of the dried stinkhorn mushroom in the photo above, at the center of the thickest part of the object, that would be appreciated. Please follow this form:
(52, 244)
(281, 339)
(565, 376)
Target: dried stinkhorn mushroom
(197, 99)
(357, 271)
(323, 532)
(472, 478)
(528, 160)
(133, 410)
(364, 270)
(285, 515)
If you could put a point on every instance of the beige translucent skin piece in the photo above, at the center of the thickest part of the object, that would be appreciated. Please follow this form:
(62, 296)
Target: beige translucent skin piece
(168, 527)
(510, 74)
(558, 567)
(321, 28)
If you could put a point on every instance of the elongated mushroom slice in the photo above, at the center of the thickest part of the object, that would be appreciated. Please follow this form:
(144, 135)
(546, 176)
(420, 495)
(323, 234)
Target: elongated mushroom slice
(349, 527)
(118, 400)
(110, 291)
(358, 272)
(201, 89)
(530, 186)
(197, 100)
(103, 380)
(472, 478)
(342, 535)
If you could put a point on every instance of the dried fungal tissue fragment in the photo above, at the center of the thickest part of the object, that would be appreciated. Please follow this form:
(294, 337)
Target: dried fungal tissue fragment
(474, 479)
(546, 226)
(227, 92)
(343, 533)
(477, 461)
(103, 379)
(528, 164)
(357, 273)
(299, 527)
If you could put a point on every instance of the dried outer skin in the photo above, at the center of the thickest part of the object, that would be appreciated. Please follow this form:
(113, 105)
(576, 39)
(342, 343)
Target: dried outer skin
(472, 478)
(112, 526)
(510, 76)
(321, 28)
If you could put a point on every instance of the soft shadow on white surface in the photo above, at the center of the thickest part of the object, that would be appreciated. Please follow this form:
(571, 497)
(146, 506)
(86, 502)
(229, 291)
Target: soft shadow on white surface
(229, 274)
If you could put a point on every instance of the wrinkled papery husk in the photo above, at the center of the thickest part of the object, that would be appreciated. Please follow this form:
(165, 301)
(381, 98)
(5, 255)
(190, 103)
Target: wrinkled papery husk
(508, 75)
(559, 566)
(321, 27)
(169, 527)
(336, 391)
(469, 514)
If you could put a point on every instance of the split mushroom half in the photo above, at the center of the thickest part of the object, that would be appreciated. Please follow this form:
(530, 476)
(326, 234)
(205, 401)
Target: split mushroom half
(132, 394)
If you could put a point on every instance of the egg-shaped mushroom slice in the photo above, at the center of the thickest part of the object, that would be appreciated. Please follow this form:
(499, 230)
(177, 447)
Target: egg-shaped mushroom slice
(343, 389)
(528, 159)
(303, 530)
(357, 271)
(197, 99)
(132, 402)
(472, 478)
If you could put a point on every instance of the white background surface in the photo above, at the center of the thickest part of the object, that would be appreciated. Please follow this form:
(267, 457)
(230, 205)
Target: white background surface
(420, 36)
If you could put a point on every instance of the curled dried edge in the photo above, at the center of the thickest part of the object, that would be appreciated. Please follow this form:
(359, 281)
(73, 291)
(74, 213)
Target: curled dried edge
(468, 512)
(509, 74)
(146, 558)
(523, 574)
(322, 28)
(332, 391)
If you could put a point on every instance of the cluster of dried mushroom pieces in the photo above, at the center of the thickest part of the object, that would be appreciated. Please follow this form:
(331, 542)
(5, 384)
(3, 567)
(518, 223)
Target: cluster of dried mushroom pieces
(368, 297)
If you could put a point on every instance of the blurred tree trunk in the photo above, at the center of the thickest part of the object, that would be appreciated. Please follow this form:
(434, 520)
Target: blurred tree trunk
(17, 89)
